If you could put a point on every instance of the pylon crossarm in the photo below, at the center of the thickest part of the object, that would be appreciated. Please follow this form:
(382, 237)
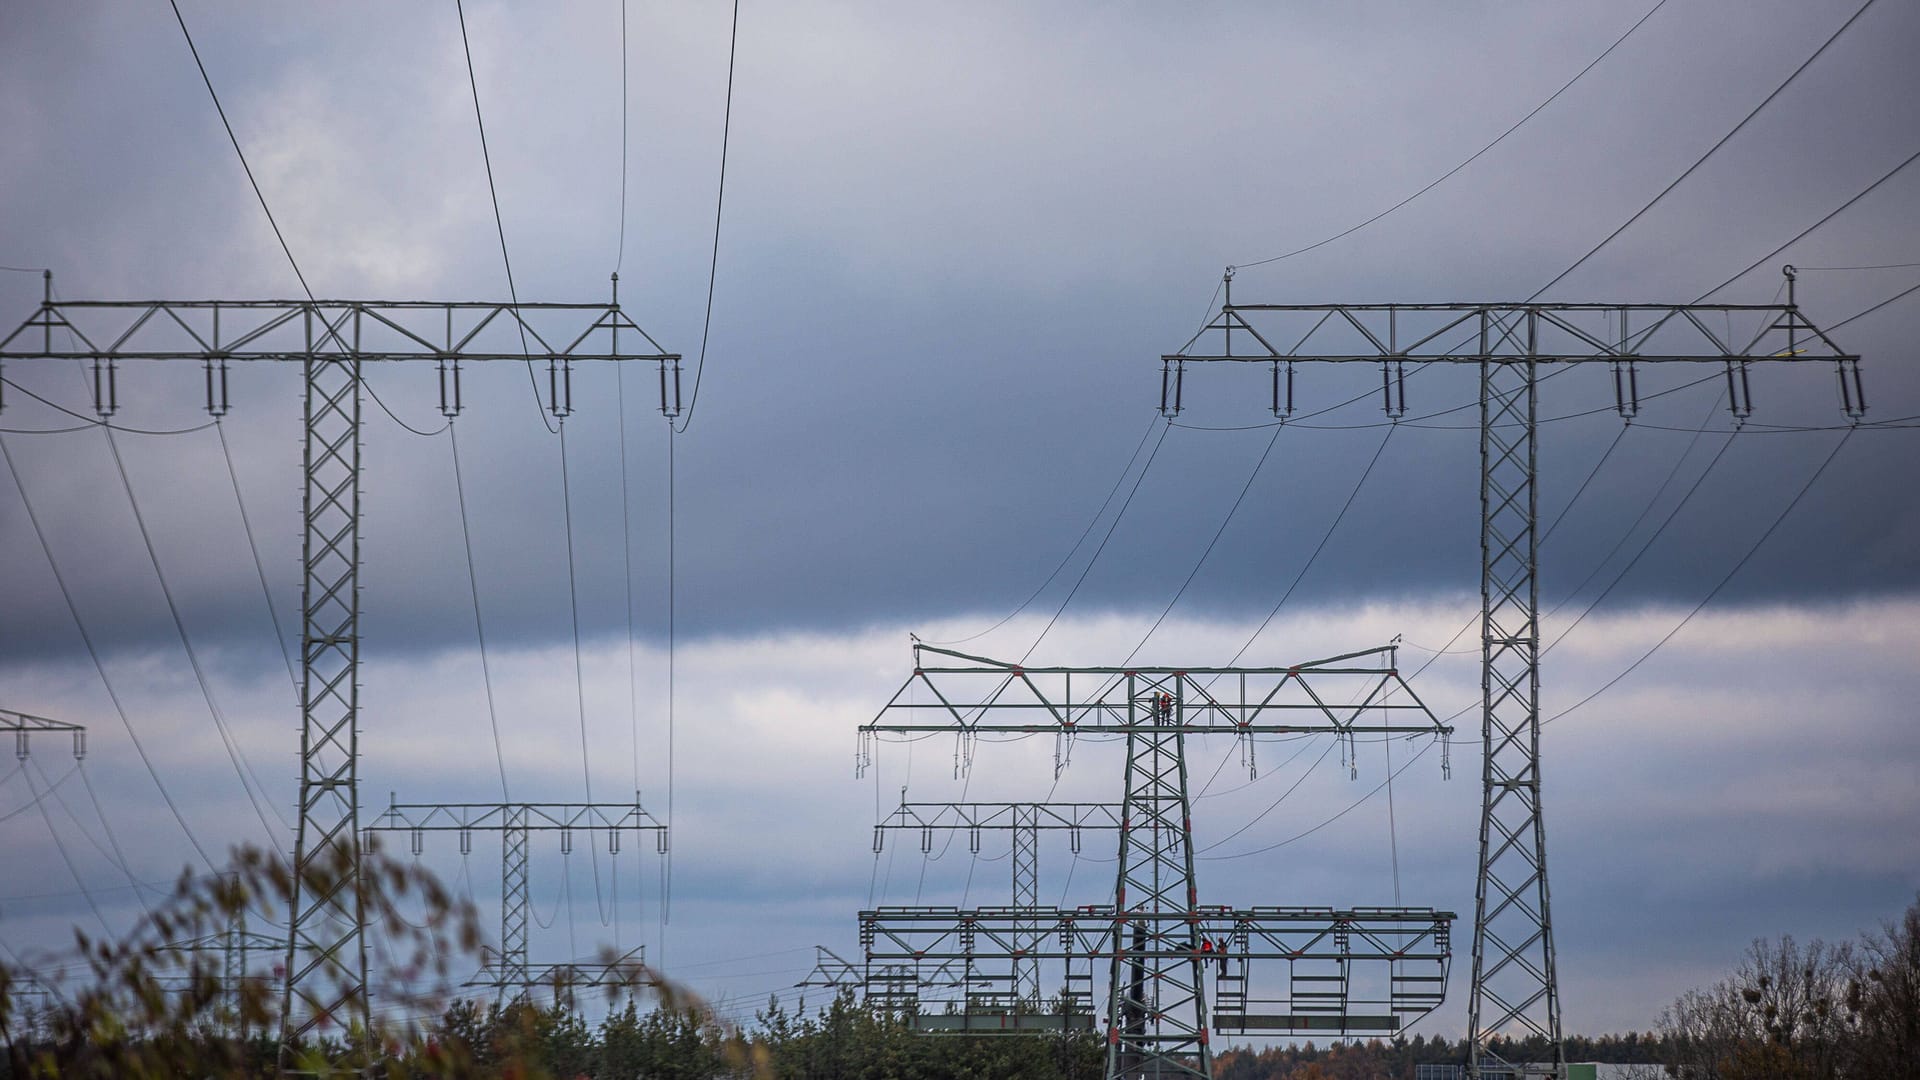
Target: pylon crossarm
(248, 330)
(1507, 332)
(539, 817)
(628, 969)
(25, 725)
(983, 695)
(1000, 816)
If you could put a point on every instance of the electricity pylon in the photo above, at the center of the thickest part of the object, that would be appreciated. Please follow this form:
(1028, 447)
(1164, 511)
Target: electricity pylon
(25, 726)
(512, 976)
(331, 340)
(1515, 989)
(1024, 821)
(233, 942)
(1156, 936)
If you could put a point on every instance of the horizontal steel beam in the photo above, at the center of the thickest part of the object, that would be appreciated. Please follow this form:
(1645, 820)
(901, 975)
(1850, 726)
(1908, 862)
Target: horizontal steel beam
(1258, 933)
(1001, 816)
(1360, 692)
(1510, 333)
(366, 330)
(25, 725)
(539, 817)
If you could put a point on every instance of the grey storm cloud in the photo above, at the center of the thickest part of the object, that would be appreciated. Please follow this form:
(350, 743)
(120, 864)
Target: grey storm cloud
(956, 242)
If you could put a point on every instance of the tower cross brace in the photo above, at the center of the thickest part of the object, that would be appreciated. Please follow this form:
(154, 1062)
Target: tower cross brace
(1515, 987)
(332, 341)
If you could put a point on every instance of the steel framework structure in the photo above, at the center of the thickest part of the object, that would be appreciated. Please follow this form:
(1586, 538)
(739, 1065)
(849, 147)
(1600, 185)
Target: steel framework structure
(1024, 821)
(1515, 988)
(1320, 944)
(516, 822)
(623, 972)
(1157, 1016)
(24, 726)
(332, 340)
(233, 943)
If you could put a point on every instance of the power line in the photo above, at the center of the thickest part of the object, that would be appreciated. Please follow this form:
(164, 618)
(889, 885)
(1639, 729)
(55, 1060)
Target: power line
(1068, 557)
(719, 203)
(67, 858)
(499, 224)
(579, 675)
(93, 653)
(112, 853)
(94, 421)
(34, 801)
(1318, 548)
(1119, 516)
(241, 154)
(1652, 501)
(1443, 177)
(1252, 475)
(1609, 684)
(259, 567)
(620, 254)
(1882, 266)
(479, 628)
(1702, 160)
(1721, 584)
(241, 766)
(1646, 546)
(1801, 235)
(626, 514)
(673, 528)
(1901, 295)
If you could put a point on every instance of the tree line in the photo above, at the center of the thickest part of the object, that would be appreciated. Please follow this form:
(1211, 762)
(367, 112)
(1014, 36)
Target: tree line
(1787, 1011)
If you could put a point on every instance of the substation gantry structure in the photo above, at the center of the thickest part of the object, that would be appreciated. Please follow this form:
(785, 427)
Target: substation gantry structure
(1515, 987)
(1157, 940)
(511, 976)
(1024, 822)
(25, 726)
(333, 341)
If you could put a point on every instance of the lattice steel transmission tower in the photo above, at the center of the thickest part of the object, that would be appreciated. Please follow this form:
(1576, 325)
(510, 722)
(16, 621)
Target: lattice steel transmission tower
(332, 341)
(1515, 989)
(516, 822)
(1157, 939)
(235, 944)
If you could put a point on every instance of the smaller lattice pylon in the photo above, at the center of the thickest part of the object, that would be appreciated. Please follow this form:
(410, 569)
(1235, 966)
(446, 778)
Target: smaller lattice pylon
(1025, 821)
(512, 974)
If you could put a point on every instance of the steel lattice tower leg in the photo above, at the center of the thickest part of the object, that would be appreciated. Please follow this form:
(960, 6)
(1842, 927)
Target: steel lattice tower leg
(326, 947)
(1515, 988)
(1026, 897)
(514, 838)
(233, 972)
(1156, 1011)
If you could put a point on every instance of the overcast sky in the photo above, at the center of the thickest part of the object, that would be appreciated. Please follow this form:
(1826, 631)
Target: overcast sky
(956, 241)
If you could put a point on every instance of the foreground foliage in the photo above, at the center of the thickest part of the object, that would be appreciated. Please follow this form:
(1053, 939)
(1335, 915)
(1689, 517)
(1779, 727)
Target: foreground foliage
(148, 1008)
